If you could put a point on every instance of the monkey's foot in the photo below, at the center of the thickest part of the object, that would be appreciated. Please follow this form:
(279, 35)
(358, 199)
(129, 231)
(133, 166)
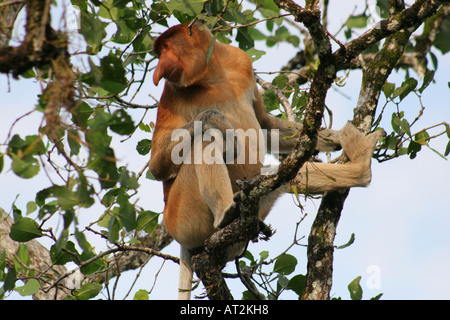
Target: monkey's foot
(229, 215)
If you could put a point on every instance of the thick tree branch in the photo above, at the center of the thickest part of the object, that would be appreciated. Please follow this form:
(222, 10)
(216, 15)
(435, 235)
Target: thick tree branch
(56, 281)
(41, 44)
(375, 73)
(398, 29)
(208, 264)
(8, 14)
(406, 19)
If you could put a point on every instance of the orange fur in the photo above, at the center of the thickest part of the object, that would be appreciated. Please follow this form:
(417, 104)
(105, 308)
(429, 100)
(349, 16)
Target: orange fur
(222, 92)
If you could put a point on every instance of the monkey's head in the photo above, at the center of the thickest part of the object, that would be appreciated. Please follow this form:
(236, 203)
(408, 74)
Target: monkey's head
(182, 54)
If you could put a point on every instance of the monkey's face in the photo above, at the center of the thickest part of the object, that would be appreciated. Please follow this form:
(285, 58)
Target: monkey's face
(169, 65)
(182, 56)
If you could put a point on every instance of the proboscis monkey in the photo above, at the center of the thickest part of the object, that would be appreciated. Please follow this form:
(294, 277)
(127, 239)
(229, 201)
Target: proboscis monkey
(210, 90)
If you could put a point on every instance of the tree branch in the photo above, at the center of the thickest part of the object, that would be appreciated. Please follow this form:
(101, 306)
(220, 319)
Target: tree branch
(400, 26)
(56, 281)
(209, 263)
(40, 46)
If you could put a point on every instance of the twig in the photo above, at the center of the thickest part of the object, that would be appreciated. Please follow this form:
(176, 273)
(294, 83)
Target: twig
(281, 97)
(107, 252)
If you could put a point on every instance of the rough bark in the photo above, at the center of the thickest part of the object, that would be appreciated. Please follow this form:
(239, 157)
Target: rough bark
(44, 46)
(375, 73)
(320, 255)
(56, 281)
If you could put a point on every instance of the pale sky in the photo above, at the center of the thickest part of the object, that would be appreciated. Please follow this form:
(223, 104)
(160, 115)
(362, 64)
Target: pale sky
(401, 221)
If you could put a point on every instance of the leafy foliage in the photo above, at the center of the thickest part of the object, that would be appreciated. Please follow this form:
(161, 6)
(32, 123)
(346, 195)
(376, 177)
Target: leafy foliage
(78, 146)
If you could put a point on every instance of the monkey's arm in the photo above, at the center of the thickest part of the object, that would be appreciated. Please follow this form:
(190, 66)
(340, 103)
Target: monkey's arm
(317, 178)
(288, 130)
(163, 164)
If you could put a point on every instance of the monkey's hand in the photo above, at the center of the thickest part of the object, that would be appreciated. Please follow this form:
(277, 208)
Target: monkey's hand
(328, 140)
(229, 215)
(215, 120)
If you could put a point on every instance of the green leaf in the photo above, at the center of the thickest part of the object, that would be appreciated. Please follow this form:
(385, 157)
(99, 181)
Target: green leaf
(61, 242)
(299, 100)
(377, 297)
(149, 176)
(281, 81)
(31, 207)
(147, 220)
(10, 279)
(81, 113)
(349, 243)
(32, 145)
(22, 255)
(61, 257)
(422, 137)
(264, 255)
(113, 75)
(141, 295)
(114, 227)
(144, 41)
(144, 146)
(270, 100)
(404, 124)
(92, 267)
(248, 255)
(84, 192)
(441, 41)
(359, 21)
(297, 284)
(24, 230)
(121, 123)
(25, 168)
(233, 15)
(413, 148)
(124, 34)
(185, 10)
(128, 181)
(355, 289)
(388, 89)
(383, 7)
(395, 121)
(31, 287)
(127, 213)
(66, 198)
(73, 139)
(247, 295)
(105, 166)
(427, 79)
(93, 30)
(447, 149)
(88, 291)
(282, 283)
(210, 49)
(82, 241)
(256, 34)
(285, 264)
(283, 34)
(145, 127)
(2, 156)
(244, 39)
(407, 86)
(255, 54)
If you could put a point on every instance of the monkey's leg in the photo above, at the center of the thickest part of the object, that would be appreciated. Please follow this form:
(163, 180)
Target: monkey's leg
(317, 178)
(213, 179)
(215, 188)
(186, 274)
